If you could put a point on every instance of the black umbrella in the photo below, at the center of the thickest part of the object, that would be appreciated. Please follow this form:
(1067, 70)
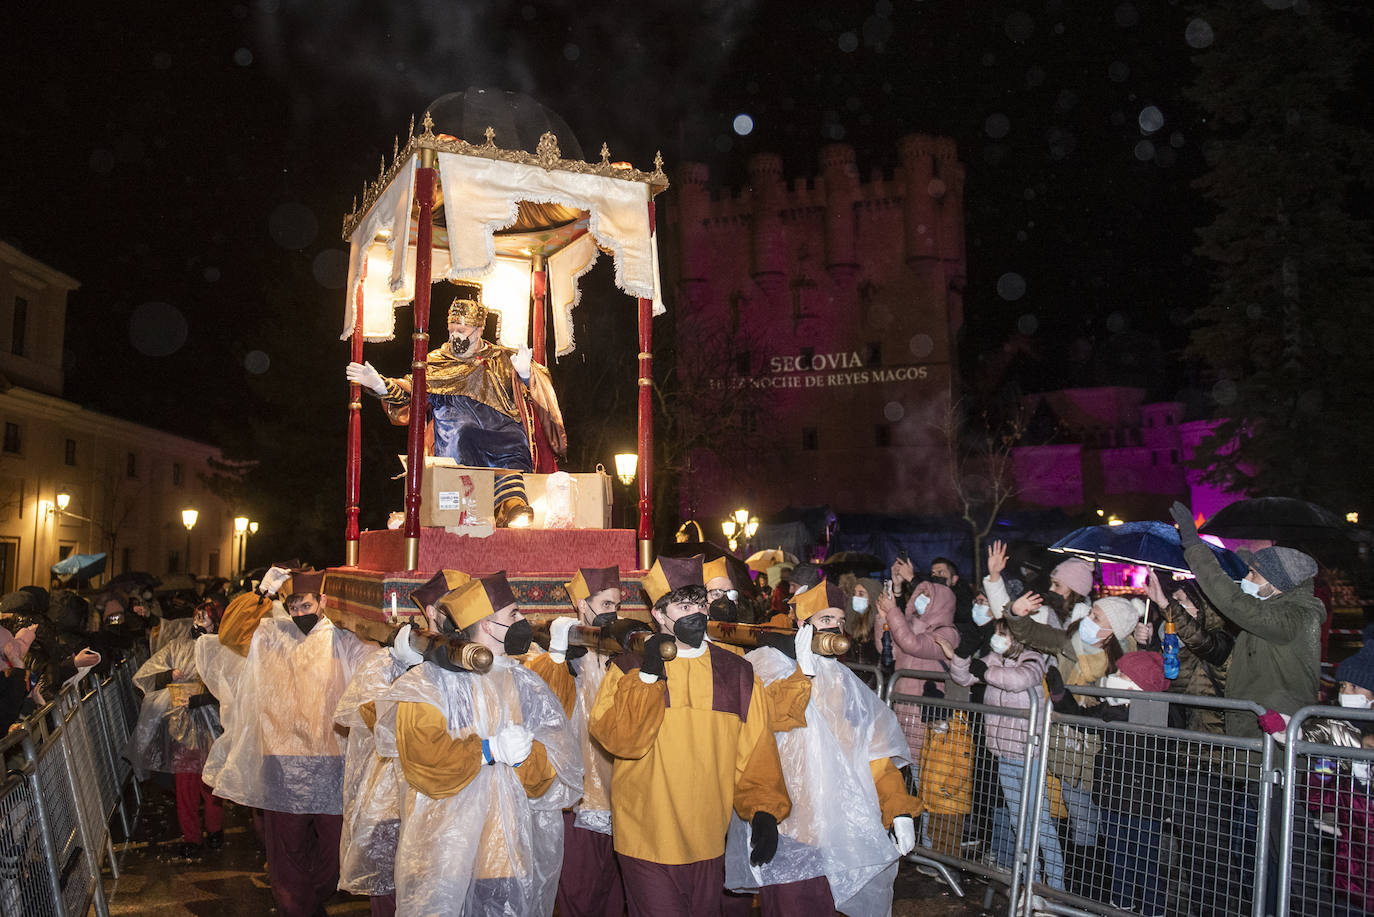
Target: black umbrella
(709, 550)
(1278, 519)
(857, 562)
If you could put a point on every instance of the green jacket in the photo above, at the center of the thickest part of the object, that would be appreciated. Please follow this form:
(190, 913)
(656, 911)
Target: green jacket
(1277, 659)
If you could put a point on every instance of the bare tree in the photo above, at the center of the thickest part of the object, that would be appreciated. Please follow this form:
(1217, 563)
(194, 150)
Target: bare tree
(981, 470)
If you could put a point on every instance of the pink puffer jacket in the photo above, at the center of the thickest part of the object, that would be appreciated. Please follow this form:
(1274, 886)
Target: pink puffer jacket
(913, 635)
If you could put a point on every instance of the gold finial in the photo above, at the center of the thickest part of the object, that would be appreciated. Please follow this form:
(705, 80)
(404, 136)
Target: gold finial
(658, 161)
(355, 204)
(410, 131)
(547, 151)
(605, 155)
(395, 147)
(428, 123)
(381, 168)
(490, 134)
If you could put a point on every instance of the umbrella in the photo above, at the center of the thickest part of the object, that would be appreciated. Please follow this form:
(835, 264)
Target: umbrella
(760, 561)
(78, 566)
(709, 550)
(1152, 544)
(1276, 519)
(177, 582)
(131, 581)
(856, 562)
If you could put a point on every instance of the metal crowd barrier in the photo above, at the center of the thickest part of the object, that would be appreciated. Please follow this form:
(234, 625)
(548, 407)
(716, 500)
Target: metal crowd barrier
(65, 780)
(1135, 814)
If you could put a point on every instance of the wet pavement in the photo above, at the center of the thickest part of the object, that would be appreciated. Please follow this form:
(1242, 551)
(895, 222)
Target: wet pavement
(232, 881)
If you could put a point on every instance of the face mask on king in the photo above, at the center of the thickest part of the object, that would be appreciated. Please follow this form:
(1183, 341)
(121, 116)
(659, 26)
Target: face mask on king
(691, 629)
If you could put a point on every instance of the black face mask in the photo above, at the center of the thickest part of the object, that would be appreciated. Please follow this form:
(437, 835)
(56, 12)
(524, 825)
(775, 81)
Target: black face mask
(938, 579)
(305, 622)
(722, 609)
(829, 630)
(605, 619)
(518, 638)
(691, 629)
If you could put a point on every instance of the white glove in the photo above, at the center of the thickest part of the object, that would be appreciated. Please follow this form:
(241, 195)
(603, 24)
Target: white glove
(806, 658)
(521, 362)
(272, 580)
(903, 834)
(402, 651)
(558, 637)
(511, 745)
(363, 374)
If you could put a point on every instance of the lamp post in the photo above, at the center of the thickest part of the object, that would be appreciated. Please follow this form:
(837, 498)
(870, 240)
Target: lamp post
(241, 530)
(729, 527)
(188, 519)
(626, 466)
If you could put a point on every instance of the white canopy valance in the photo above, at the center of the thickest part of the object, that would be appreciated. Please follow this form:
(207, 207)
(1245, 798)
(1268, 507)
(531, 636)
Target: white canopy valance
(481, 196)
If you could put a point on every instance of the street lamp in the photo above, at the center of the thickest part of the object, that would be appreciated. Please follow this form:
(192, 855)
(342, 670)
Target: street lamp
(241, 530)
(63, 500)
(188, 519)
(626, 466)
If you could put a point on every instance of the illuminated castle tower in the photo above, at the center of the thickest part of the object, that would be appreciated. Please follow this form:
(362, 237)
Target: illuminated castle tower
(816, 329)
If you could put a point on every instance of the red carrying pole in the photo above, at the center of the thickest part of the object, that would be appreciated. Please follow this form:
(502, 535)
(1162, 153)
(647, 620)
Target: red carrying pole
(646, 424)
(419, 397)
(539, 285)
(353, 472)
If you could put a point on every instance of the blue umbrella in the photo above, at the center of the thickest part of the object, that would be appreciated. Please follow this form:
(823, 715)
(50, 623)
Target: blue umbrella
(79, 566)
(1151, 544)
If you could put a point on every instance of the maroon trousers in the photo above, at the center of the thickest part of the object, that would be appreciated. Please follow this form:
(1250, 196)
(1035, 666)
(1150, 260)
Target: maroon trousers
(811, 897)
(302, 860)
(191, 793)
(589, 885)
(657, 890)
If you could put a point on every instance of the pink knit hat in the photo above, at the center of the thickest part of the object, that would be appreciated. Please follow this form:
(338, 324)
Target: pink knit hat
(1145, 669)
(1075, 573)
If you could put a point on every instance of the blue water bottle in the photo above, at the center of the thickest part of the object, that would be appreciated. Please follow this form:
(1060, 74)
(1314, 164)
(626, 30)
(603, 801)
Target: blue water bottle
(1170, 647)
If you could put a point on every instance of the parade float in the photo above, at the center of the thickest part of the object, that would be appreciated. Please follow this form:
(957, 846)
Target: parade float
(525, 226)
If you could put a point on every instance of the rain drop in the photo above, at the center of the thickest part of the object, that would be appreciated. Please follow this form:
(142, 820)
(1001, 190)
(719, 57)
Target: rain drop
(1119, 71)
(936, 188)
(1127, 15)
(997, 125)
(893, 411)
(157, 329)
(1116, 323)
(211, 274)
(743, 125)
(1151, 119)
(1254, 312)
(293, 226)
(1011, 286)
(1198, 34)
(162, 60)
(1035, 76)
(1019, 26)
(1027, 324)
(571, 51)
(848, 42)
(527, 13)
(1067, 100)
(921, 346)
(256, 362)
(243, 57)
(1224, 392)
(1144, 151)
(1021, 235)
(330, 268)
(1176, 140)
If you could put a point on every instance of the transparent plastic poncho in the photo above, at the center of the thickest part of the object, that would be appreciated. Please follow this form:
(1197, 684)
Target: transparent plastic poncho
(285, 752)
(371, 787)
(170, 739)
(219, 667)
(489, 849)
(593, 810)
(835, 828)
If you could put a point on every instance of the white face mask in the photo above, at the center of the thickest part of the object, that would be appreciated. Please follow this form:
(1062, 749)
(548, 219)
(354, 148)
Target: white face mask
(1000, 643)
(859, 603)
(1118, 683)
(1250, 587)
(981, 614)
(1089, 632)
(1358, 701)
(921, 603)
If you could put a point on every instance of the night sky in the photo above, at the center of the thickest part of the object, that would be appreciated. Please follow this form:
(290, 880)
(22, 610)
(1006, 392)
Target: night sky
(190, 164)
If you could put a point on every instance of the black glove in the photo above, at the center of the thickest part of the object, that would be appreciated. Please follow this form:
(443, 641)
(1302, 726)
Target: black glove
(620, 629)
(1054, 683)
(1187, 528)
(203, 699)
(763, 839)
(783, 643)
(652, 661)
(162, 680)
(977, 668)
(970, 643)
(434, 650)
